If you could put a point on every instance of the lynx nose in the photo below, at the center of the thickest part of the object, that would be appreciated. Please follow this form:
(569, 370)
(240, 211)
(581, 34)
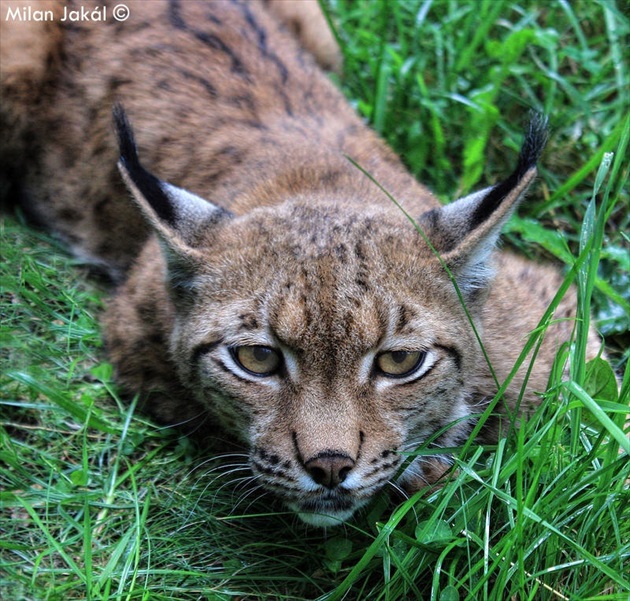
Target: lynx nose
(329, 468)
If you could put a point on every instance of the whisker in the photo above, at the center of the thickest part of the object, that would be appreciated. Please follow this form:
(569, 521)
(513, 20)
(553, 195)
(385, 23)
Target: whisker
(401, 491)
(247, 493)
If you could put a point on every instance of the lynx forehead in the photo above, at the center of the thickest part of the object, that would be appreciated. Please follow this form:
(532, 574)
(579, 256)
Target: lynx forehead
(269, 291)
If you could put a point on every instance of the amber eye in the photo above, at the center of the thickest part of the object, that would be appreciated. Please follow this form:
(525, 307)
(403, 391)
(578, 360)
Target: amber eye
(398, 364)
(257, 360)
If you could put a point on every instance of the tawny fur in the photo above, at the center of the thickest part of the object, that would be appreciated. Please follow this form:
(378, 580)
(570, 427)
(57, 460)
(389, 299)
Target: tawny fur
(315, 259)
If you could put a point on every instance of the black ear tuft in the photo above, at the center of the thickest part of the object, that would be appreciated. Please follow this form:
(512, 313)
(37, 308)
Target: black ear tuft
(148, 185)
(124, 136)
(533, 145)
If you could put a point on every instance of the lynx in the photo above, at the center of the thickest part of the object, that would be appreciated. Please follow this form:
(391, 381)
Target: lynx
(269, 290)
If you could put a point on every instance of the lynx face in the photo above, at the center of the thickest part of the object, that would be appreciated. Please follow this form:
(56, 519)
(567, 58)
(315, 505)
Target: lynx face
(329, 375)
(325, 334)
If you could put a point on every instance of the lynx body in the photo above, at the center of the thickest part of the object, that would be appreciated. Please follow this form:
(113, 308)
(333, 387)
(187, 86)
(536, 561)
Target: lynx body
(270, 291)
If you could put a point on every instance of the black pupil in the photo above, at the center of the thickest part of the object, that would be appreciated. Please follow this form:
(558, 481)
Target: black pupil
(399, 356)
(261, 353)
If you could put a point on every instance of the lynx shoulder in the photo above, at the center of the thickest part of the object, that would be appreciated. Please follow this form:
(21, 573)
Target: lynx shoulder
(268, 288)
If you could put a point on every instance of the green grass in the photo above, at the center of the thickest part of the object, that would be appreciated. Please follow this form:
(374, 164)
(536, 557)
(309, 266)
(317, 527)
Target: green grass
(97, 503)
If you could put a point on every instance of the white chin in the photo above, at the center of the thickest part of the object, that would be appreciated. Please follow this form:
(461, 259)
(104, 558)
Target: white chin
(324, 520)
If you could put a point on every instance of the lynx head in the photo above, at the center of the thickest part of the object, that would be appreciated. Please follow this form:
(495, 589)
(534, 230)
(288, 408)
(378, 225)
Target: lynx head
(327, 334)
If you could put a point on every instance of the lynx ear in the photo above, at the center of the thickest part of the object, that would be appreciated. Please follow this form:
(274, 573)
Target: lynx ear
(176, 215)
(466, 231)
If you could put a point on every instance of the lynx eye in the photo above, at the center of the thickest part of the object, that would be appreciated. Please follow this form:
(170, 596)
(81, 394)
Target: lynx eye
(257, 360)
(398, 364)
